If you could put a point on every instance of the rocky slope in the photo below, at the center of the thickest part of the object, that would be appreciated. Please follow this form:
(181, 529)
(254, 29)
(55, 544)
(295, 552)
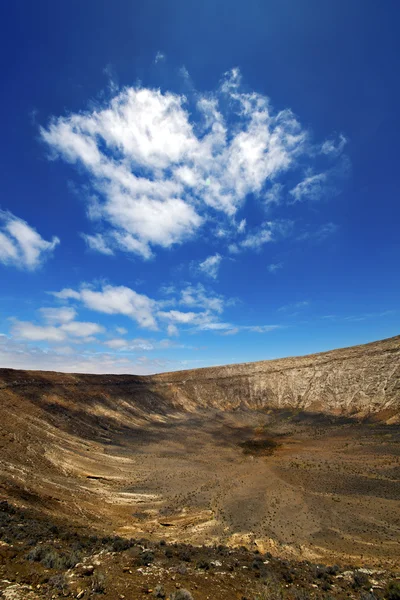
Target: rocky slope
(352, 381)
(358, 380)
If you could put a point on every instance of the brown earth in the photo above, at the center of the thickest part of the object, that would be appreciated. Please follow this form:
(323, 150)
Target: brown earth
(298, 457)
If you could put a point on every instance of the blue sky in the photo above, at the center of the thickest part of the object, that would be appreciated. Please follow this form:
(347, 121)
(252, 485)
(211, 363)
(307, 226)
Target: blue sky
(189, 184)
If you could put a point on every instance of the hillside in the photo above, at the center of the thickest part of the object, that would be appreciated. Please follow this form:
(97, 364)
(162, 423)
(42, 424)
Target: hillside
(299, 457)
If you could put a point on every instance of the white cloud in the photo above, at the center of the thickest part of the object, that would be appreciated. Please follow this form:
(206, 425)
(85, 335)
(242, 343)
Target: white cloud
(25, 330)
(312, 187)
(274, 267)
(67, 328)
(269, 231)
(160, 57)
(319, 233)
(172, 330)
(150, 313)
(252, 328)
(242, 226)
(198, 296)
(121, 330)
(58, 315)
(82, 328)
(177, 316)
(330, 147)
(274, 194)
(160, 171)
(98, 243)
(210, 266)
(20, 355)
(66, 294)
(115, 300)
(20, 245)
(116, 343)
(258, 239)
(295, 305)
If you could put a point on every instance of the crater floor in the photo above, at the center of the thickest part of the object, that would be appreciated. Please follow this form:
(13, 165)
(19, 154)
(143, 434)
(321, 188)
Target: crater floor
(298, 485)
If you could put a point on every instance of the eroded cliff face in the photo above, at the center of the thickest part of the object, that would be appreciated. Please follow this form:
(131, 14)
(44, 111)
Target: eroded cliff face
(357, 380)
(352, 381)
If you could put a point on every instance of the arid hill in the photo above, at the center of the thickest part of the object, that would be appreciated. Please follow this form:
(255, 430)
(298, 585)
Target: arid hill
(298, 456)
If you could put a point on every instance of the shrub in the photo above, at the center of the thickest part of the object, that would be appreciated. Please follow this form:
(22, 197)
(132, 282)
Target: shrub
(59, 582)
(360, 580)
(203, 564)
(393, 590)
(301, 594)
(146, 557)
(270, 591)
(120, 544)
(52, 560)
(181, 595)
(159, 592)
(98, 582)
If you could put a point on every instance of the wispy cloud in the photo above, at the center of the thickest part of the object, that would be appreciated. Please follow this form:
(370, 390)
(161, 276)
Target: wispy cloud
(269, 231)
(98, 243)
(23, 355)
(210, 266)
(312, 187)
(22, 246)
(274, 267)
(160, 57)
(294, 306)
(334, 147)
(318, 234)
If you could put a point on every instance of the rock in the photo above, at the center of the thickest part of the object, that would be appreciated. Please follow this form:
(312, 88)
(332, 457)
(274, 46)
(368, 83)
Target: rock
(87, 570)
(80, 594)
(216, 563)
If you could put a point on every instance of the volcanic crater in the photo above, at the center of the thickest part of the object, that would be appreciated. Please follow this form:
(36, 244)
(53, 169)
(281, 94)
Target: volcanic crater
(299, 457)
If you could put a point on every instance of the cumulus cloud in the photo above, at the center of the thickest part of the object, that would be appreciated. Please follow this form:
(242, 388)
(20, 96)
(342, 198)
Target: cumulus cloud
(203, 309)
(210, 266)
(25, 330)
(22, 246)
(64, 314)
(162, 164)
(115, 300)
(57, 332)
